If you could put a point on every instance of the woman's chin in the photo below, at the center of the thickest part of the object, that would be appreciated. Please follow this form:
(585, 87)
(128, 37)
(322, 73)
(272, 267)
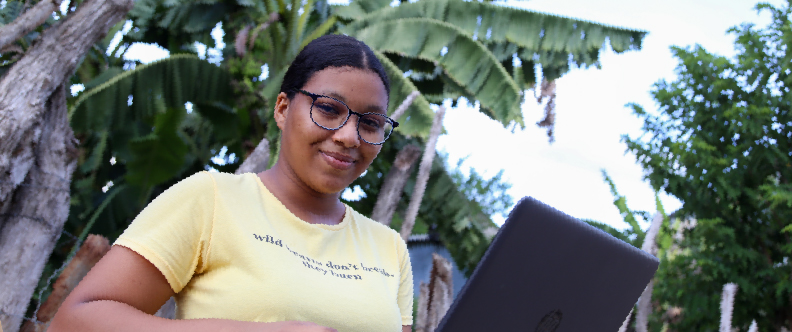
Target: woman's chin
(331, 186)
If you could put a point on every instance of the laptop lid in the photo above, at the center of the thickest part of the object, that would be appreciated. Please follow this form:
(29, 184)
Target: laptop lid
(546, 271)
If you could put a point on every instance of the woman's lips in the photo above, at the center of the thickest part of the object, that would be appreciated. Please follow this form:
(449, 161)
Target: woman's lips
(337, 160)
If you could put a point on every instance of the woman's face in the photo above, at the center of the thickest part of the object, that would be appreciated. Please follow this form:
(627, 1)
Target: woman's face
(327, 161)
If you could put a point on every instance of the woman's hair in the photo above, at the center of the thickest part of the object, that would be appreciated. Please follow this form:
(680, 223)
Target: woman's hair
(331, 51)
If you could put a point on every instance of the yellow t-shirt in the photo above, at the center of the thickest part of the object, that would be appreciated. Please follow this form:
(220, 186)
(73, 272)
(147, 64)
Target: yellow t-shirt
(231, 250)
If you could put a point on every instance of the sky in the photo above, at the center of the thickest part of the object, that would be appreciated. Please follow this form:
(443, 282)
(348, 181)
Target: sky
(591, 115)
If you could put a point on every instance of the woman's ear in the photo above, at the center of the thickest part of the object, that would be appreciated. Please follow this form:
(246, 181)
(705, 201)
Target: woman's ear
(281, 110)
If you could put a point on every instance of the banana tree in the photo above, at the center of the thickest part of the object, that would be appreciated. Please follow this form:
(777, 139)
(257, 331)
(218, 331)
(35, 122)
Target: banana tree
(481, 51)
(133, 116)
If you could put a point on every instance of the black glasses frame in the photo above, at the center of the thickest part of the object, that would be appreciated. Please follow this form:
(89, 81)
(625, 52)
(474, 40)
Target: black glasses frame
(314, 97)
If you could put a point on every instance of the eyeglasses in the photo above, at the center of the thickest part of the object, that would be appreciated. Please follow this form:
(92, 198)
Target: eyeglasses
(332, 114)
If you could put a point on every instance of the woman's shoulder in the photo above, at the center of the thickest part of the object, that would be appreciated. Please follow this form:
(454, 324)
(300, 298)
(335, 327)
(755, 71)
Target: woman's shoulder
(378, 229)
(229, 181)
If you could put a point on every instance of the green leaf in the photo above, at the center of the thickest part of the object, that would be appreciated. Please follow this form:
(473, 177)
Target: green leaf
(471, 65)
(167, 83)
(417, 120)
(158, 156)
(96, 154)
(540, 37)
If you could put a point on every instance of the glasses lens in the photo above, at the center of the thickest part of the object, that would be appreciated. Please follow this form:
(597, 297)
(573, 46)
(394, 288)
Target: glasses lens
(329, 113)
(374, 128)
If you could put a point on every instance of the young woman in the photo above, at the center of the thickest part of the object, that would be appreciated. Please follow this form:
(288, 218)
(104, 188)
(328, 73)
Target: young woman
(274, 251)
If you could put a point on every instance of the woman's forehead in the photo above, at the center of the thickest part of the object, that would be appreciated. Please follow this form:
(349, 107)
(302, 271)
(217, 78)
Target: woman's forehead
(360, 89)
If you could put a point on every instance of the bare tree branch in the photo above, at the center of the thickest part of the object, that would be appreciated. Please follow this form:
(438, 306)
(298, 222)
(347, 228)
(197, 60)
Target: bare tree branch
(423, 174)
(404, 105)
(390, 192)
(29, 83)
(27, 22)
(645, 301)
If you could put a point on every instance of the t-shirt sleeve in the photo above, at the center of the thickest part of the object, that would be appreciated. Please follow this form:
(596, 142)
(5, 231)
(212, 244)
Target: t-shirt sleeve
(173, 231)
(405, 283)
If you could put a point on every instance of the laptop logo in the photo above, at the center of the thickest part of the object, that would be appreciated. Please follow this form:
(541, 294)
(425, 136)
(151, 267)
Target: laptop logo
(550, 322)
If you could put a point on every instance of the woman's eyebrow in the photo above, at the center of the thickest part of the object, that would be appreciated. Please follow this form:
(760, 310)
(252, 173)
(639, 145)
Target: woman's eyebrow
(368, 109)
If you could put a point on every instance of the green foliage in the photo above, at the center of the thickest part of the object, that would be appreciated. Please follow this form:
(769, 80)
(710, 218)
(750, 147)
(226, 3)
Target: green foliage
(419, 115)
(158, 156)
(531, 36)
(477, 50)
(455, 206)
(137, 138)
(470, 65)
(720, 142)
(9, 11)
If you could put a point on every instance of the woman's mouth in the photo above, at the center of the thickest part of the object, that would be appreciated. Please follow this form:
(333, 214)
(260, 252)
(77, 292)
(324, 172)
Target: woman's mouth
(337, 160)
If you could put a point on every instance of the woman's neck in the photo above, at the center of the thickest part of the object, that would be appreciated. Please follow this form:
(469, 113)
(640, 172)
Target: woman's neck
(303, 201)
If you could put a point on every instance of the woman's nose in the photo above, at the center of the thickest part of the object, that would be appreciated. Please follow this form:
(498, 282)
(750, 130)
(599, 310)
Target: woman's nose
(347, 135)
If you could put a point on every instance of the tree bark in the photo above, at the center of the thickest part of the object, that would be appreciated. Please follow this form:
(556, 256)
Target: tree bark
(727, 306)
(28, 85)
(92, 250)
(257, 161)
(37, 150)
(27, 22)
(423, 174)
(32, 221)
(645, 301)
(435, 299)
(390, 192)
(626, 322)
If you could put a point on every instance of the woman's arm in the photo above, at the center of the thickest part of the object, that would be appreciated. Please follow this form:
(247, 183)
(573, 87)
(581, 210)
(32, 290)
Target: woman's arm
(124, 290)
(406, 328)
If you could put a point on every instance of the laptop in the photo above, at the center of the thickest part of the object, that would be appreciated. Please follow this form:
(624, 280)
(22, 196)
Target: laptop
(546, 271)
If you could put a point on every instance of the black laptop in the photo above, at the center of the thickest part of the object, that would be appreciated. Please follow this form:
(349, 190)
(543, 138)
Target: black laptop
(546, 271)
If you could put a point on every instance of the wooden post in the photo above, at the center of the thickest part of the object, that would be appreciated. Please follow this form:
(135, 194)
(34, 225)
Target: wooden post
(94, 248)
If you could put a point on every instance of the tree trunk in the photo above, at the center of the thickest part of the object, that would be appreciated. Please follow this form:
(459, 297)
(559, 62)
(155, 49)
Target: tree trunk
(645, 301)
(33, 219)
(392, 187)
(626, 322)
(404, 105)
(37, 150)
(257, 161)
(423, 174)
(92, 250)
(28, 85)
(727, 306)
(435, 299)
(27, 22)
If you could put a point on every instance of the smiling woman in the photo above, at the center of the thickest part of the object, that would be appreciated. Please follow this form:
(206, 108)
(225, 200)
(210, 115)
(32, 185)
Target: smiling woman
(274, 251)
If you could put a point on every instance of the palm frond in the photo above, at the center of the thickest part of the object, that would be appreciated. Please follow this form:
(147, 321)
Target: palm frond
(138, 94)
(539, 37)
(466, 61)
(360, 8)
(418, 119)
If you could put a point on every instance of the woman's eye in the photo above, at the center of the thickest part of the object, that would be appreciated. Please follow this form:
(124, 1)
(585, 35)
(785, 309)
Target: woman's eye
(328, 109)
(370, 124)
